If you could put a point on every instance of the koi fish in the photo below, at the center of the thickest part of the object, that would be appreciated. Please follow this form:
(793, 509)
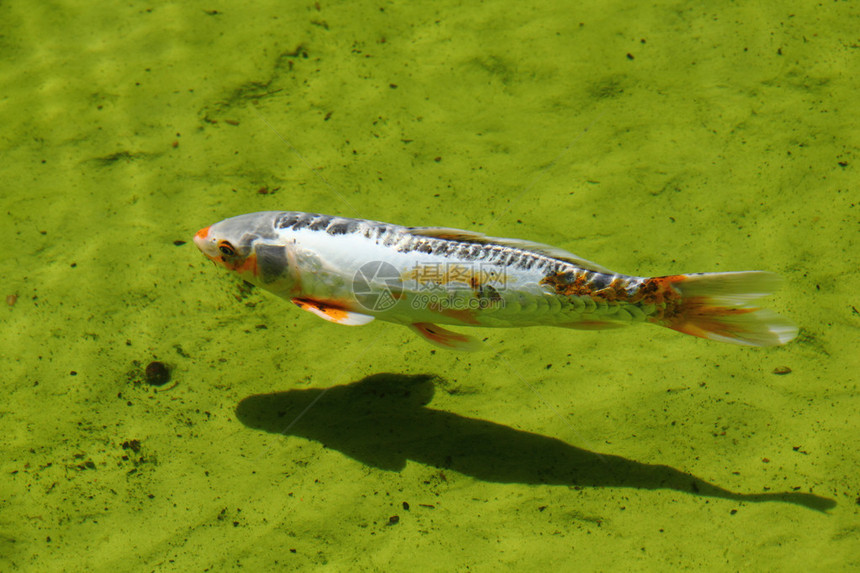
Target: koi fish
(351, 271)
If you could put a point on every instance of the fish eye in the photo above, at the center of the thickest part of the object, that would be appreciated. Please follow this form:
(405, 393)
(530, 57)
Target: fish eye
(226, 249)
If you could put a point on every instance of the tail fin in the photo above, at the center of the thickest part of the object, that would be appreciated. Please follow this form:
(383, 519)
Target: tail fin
(718, 306)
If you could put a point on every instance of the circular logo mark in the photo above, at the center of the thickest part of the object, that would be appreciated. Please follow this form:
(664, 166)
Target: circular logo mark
(376, 285)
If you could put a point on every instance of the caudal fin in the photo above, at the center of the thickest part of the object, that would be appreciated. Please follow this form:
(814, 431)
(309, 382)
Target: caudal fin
(719, 306)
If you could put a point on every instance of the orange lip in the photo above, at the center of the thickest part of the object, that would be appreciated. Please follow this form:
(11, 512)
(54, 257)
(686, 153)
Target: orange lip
(200, 238)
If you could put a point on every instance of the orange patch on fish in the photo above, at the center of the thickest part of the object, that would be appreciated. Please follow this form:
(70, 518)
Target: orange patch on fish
(696, 318)
(246, 265)
(332, 311)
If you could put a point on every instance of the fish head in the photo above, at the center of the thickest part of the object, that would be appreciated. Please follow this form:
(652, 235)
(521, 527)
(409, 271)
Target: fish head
(250, 246)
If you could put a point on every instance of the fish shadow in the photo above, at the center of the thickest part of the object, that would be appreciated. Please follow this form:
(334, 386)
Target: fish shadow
(383, 420)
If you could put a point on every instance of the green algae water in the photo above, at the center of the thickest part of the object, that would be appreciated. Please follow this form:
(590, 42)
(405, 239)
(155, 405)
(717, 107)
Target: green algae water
(658, 139)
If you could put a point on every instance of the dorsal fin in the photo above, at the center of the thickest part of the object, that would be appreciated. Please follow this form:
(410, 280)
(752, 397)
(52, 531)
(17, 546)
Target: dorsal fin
(461, 236)
(449, 234)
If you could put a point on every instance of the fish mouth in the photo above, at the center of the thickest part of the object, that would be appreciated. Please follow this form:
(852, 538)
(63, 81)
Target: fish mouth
(201, 239)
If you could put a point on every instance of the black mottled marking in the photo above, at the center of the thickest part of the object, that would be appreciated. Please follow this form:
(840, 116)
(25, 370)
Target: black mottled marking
(287, 220)
(424, 247)
(443, 247)
(490, 293)
(301, 224)
(599, 280)
(504, 258)
(271, 262)
(405, 245)
(390, 239)
(342, 228)
(320, 223)
(543, 263)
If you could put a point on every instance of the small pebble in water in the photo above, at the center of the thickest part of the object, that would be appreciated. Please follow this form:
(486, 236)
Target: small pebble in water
(157, 373)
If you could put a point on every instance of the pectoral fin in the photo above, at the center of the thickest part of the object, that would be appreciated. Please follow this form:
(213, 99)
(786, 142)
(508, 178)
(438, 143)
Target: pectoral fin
(331, 312)
(447, 339)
